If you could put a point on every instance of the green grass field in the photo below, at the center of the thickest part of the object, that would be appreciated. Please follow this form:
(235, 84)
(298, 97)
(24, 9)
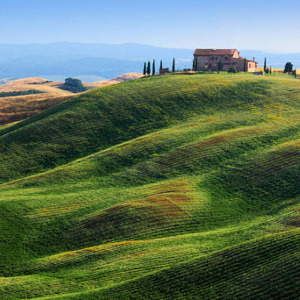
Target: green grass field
(172, 187)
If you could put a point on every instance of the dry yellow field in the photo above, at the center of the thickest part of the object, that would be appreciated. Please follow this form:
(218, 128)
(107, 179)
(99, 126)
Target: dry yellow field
(278, 70)
(14, 109)
(18, 108)
(35, 83)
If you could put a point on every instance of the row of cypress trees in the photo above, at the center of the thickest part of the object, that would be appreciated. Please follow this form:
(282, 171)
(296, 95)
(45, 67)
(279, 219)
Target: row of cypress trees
(266, 69)
(147, 67)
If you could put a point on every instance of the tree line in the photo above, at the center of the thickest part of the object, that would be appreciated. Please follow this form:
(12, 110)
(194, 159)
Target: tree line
(287, 69)
(148, 70)
(20, 93)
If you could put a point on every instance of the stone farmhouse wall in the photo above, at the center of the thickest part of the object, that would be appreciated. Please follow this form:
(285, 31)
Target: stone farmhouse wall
(210, 62)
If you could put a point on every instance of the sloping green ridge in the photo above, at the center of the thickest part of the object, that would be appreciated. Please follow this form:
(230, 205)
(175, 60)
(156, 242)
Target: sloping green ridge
(221, 168)
(266, 268)
(96, 222)
(111, 115)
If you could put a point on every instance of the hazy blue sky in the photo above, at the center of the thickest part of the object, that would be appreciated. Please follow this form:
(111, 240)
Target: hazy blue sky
(271, 25)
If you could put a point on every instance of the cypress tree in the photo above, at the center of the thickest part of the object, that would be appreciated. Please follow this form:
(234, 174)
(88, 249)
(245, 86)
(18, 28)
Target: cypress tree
(220, 65)
(173, 66)
(145, 68)
(270, 70)
(153, 67)
(265, 65)
(245, 66)
(195, 64)
(149, 68)
(161, 65)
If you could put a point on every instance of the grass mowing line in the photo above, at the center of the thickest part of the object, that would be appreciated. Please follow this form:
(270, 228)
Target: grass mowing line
(191, 158)
(142, 115)
(53, 274)
(239, 164)
(258, 178)
(131, 144)
(110, 151)
(231, 256)
(221, 231)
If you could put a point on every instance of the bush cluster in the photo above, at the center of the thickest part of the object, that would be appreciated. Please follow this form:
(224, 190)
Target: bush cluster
(20, 93)
(73, 85)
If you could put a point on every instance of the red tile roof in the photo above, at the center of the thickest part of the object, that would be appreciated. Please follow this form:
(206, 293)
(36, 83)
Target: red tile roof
(243, 58)
(215, 51)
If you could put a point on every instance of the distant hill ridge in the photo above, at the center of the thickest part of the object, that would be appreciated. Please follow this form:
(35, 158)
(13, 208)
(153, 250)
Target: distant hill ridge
(105, 60)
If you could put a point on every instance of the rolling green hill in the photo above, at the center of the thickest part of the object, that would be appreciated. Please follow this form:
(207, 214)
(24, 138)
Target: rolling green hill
(173, 187)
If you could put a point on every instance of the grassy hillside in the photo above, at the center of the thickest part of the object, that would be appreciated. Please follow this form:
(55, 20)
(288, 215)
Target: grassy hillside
(109, 116)
(115, 80)
(173, 187)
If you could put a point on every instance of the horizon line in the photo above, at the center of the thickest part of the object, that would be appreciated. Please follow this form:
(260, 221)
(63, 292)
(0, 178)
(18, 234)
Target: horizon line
(140, 44)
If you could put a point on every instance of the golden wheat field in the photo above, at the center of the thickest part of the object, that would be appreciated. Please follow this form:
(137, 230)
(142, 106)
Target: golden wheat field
(17, 108)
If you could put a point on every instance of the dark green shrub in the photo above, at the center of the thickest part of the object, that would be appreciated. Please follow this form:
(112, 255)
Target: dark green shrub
(288, 67)
(73, 85)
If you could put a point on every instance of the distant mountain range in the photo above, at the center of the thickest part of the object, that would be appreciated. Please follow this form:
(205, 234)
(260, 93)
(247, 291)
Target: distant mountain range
(102, 60)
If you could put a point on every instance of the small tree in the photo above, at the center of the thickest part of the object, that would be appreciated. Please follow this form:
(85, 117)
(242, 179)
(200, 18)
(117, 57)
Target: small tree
(265, 65)
(288, 67)
(153, 67)
(195, 64)
(173, 65)
(245, 65)
(220, 65)
(161, 65)
(145, 68)
(270, 70)
(73, 85)
(149, 68)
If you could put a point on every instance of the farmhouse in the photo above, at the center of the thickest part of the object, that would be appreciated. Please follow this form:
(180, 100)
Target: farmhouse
(164, 71)
(213, 59)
